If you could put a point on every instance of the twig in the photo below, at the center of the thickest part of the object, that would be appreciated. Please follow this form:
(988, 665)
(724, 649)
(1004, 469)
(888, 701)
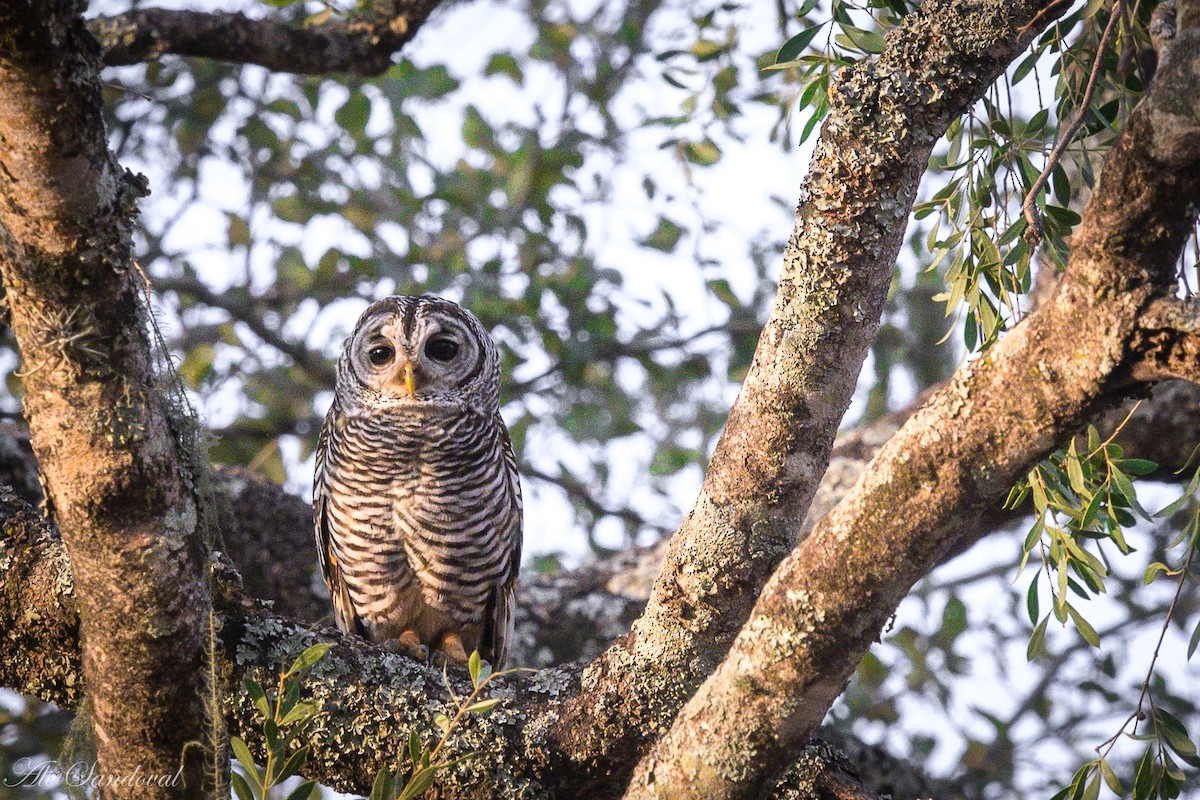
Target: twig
(1036, 231)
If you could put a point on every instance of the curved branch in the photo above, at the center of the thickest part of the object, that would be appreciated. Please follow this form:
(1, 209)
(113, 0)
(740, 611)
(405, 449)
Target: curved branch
(246, 309)
(951, 462)
(885, 115)
(363, 46)
(369, 698)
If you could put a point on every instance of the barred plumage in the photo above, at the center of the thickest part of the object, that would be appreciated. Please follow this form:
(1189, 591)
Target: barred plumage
(417, 501)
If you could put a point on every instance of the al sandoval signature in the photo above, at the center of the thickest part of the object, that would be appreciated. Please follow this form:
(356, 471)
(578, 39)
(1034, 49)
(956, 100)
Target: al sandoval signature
(83, 774)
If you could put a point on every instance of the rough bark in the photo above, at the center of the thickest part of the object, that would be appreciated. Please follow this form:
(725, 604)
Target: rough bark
(370, 698)
(107, 442)
(885, 115)
(575, 614)
(361, 45)
(959, 454)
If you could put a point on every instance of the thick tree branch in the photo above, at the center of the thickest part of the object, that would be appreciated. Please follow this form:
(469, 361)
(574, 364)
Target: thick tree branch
(370, 699)
(576, 614)
(363, 46)
(108, 444)
(953, 460)
(885, 115)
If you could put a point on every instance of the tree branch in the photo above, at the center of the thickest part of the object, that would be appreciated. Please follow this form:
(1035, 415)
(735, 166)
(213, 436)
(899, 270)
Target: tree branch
(241, 307)
(362, 46)
(885, 115)
(369, 698)
(951, 462)
(113, 450)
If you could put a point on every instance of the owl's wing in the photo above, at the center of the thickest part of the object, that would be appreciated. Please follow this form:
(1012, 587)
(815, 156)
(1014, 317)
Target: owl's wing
(498, 625)
(343, 610)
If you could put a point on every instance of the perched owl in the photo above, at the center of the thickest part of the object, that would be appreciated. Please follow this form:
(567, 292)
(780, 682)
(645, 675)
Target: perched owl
(417, 501)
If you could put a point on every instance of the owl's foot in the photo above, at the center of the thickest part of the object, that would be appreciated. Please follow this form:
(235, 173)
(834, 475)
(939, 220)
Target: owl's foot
(409, 643)
(453, 648)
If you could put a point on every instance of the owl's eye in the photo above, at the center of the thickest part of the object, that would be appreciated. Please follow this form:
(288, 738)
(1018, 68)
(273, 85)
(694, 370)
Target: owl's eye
(381, 355)
(441, 349)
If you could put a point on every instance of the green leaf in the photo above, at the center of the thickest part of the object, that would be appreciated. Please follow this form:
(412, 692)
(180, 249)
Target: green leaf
(796, 45)
(293, 765)
(1125, 487)
(303, 791)
(240, 787)
(354, 114)
(1110, 778)
(258, 696)
(414, 747)
(473, 663)
(308, 658)
(482, 706)
(441, 722)
(1085, 628)
(1075, 471)
(299, 713)
(1193, 642)
(1152, 572)
(1138, 466)
(381, 789)
(504, 64)
(1037, 641)
(705, 153)
(1143, 781)
(242, 753)
(421, 780)
(1031, 601)
(1175, 733)
(707, 50)
(665, 236)
(867, 41)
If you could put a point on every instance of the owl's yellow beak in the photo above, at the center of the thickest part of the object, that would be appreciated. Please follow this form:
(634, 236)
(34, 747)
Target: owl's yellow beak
(410, 380)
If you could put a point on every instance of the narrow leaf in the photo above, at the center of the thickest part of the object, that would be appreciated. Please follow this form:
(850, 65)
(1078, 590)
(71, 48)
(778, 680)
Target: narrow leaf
(1085, 628)
(483, 705)
(309, 657)
(796, 45)
(420, 781)
(242, 753)
(299, 713)
(304, 791)
(1037, 641)
(382, 788)
(473, 667)
(293, 765)
(259, 697)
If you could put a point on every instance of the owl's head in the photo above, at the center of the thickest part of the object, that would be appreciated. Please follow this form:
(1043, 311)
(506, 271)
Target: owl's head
(421, 350)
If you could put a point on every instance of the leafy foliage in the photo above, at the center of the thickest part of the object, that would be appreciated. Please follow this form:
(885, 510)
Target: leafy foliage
(423, 764)
(284, 718)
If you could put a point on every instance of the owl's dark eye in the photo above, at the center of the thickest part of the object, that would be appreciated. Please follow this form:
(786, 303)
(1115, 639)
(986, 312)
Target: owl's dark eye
(441, 349)
(381, 355)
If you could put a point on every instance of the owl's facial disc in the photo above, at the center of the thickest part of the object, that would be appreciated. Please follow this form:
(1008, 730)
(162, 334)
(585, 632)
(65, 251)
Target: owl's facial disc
(434, 359)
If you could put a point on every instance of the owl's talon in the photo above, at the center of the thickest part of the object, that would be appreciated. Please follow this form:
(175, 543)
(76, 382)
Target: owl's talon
(409, 643)
(452, 646)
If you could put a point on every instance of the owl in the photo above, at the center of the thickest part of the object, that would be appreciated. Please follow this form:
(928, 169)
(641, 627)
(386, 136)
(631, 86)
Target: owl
(417, 500)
